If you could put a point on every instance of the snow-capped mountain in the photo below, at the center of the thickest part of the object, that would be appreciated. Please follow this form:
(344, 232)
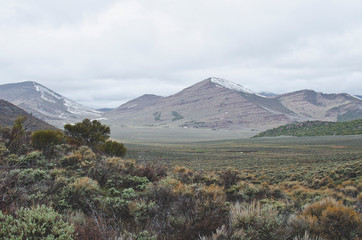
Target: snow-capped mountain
(45, 103)
(213, 103)
(219, 103)
(230, 85)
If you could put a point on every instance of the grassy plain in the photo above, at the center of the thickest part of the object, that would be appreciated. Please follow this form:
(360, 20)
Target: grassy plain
(277, 159)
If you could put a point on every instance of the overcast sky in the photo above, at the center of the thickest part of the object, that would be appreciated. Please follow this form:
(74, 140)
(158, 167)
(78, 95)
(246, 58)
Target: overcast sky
(103, 53)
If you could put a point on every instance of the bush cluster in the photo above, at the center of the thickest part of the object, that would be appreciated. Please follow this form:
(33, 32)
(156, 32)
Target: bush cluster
(78, 192)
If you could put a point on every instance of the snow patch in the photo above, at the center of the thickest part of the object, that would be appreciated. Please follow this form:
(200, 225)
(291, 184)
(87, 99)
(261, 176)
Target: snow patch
(132, 106)
(231, 85)
(46, 94)
(354, 96)
(78, 109)
(71, 106)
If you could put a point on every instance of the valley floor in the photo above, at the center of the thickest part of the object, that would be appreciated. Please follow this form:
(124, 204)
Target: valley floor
(264, 155)
(175, 135)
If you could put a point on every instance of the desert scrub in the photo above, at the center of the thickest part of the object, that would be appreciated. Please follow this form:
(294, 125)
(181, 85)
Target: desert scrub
(80, 194)
(83, 158)
(39, 222)
(329, 219)
(256, 221)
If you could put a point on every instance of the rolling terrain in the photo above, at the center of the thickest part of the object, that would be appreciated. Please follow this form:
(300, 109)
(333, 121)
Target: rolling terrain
(315, 128)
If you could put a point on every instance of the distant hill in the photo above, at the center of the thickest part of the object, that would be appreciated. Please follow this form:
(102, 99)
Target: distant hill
(213, 103)
(45, 103)
(315, 128)
(9, 112)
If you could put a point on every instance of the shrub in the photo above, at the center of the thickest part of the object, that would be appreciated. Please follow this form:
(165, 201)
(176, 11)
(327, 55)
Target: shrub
(186, 211)
(329, 219)
(39, 222)
(44, 140)
(152, 171)
(229, 178)
(255, 221)
(183, 174)
(113, 148)
(90, 133)
(3, 151)
(17, 138)
(32, 159)
(81, 193)
(83, 157)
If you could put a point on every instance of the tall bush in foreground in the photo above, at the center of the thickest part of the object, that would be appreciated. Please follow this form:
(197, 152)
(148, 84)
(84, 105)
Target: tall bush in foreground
(329, 219)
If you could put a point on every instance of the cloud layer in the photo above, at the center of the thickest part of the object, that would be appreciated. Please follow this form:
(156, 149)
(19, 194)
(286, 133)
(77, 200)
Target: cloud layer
(103, 53)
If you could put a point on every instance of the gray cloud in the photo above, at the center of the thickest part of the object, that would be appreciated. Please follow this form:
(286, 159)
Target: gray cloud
(103, 53)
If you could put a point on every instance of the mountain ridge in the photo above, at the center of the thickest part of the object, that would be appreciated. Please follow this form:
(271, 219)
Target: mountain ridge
(213, 103)
(218, 103)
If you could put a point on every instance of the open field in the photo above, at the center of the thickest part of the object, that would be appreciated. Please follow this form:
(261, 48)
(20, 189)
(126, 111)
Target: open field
(276, 158)
(175, 135)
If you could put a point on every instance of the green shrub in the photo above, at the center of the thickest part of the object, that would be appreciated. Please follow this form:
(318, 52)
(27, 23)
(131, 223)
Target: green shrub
(44, 140)
(113, 149)
(32, 185)
(35, 223)
(32, 159)
(83, 157)
(256, 221)
(81, 194)
(90, 133)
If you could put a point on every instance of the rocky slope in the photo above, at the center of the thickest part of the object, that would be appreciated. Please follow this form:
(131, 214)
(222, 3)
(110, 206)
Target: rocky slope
(9, 112)
(45, 103)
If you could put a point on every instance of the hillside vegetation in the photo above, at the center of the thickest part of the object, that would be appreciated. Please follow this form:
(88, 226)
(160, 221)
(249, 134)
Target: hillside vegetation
(315, 128)
(10, 112)
(80, 186)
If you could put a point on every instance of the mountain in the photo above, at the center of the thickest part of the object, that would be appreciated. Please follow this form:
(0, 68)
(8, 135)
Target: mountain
(45, 103)
(220, 104)
(9, 112)
(213, 103)
(311, 105)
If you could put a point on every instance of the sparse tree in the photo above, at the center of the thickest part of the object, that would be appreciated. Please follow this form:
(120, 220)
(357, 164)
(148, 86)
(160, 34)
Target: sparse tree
(17, 136)
(90, 133)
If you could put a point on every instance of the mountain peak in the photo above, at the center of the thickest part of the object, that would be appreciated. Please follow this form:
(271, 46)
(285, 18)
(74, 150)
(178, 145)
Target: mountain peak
(230, 85)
